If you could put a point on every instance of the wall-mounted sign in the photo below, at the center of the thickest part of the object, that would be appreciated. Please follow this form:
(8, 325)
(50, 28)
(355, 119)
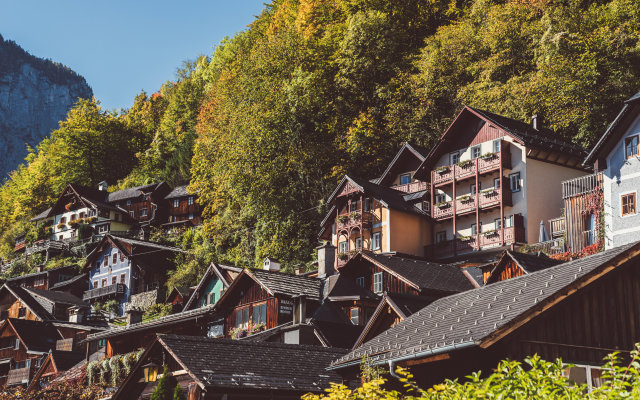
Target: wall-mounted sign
(286, 307)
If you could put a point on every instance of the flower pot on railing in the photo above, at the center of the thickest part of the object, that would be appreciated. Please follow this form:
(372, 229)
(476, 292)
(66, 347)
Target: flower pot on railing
(464, 238)
(74, 223)
(490, 233)
(489, 192)
(465, 163)
(343, 219)
(343, 256)
(354, 215)
(91, 220)
(442, 170)
(488, 156)
(61, 225)
(443, 204)
(353, 253)
(465, 199)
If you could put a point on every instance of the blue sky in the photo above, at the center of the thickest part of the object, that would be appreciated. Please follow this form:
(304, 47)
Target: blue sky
(121, 47)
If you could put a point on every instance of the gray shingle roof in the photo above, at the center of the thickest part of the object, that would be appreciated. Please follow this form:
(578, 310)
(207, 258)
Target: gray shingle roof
(36, 336)
(289, 284)
(465, 319)
(57, 297)
(425, 274)
(178, 191)
(131, 192)
(532, 262)
(254, 365)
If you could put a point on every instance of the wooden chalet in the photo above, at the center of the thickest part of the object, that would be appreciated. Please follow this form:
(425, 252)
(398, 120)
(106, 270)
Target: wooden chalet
(215, 281)
(179, 296)
(182, 208)
(386, 214)
(120, 267)
(579, 311)
(513, 264)
(486, 174)
(54, 364)
(267, 299)
(231, 369)
(37, 305)
(45, 280)
(143, 204)
(365, 279)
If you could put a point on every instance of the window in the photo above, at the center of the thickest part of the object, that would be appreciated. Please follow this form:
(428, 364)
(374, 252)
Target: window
(631, 146)
(128, 203)
(176, 203)
(584, 374)
(143, 212)
(377, 282)
(190, 215)
(405, 178)
(360, 281)
(242, 318)
(354, 315)
(190, 200)
(472, 187)
(441, 236)
(114, 280)
(496, 183)
(514, 182)
(22, 312)
(63, 220)
(367, 204)
(496, 146)
(102, 343)
(441, 198)
(358, 243)
(95, 284)
(354, 206)
(425, 206)
(475, 151)
(104, 282)
(17, 343)
(628, 203)
(454, 158)
(132, 213)
(508, 221)
(259, 315)
(123, 278)
(375, 241)
(105, 261)
(121, 257)
(114, 258)
(103, 228)
(496, 224)
(474, 229)
(342, 247)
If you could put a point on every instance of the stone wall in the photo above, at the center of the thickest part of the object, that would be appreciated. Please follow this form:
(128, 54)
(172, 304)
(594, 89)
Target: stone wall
(142, 301)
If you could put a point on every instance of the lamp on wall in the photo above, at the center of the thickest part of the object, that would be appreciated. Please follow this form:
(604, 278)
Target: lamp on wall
(150, 371)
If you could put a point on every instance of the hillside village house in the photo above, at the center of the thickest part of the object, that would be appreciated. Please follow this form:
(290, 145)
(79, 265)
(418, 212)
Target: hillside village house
(182, 208)
(616, 160)
(120, 268)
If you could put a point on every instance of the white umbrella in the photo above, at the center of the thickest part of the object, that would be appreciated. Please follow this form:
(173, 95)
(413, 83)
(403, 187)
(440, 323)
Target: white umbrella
(543, 233)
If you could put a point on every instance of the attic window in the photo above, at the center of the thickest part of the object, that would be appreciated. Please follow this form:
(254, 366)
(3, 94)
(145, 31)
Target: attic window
(405, 179)
(631, 146)
(22, 312)
(128, 203)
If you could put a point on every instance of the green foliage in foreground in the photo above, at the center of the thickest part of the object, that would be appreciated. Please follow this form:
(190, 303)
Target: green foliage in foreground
(533, 379)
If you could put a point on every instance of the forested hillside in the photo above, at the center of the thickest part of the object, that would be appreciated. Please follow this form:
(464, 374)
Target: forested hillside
(264, 128)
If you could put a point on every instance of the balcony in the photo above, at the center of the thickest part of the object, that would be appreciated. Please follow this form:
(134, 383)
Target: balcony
(468, 169)
(465, 204)
(557, 227)
(19, 376)
(7, 352)
(582, 185)
(343, 258)
(442, 210)
(411, 187)
(111, 291)
(346, 222)
(492, 197)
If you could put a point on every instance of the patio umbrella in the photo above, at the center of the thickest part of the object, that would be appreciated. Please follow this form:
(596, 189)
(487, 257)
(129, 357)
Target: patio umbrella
(543, 233)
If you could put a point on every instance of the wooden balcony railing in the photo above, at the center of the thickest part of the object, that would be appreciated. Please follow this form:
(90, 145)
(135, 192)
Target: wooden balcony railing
(19, 376)
(492, 197)
(116, 290)
(443, 210)
(581, 185)
(7, 352)
(445, 249)
(465, 204)
(550, 247)
(411, 187)
(354, 219)
(557, 227)
(442, 176)
(467, 169)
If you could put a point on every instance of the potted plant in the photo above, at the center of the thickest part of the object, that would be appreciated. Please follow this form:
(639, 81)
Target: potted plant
(464, 238)
(74, 223)
(442, 204)
(354, 215)
(342, 256)
(443, 169)
(492, 232)
(255, 328)
(91, 220)
(488, 191)
(465, 198)
(61, 225)
(343, 219)
(465, 163)
(353, 253)
(487, 156)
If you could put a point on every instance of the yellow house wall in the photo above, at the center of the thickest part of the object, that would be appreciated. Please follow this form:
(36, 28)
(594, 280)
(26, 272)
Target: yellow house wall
(544, 194)
(408, 233)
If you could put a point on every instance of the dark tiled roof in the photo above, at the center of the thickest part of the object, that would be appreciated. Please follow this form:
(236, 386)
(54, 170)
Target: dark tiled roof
(29, 301)
(146, 244)
(414, 195)
(542, 138)
(46, 272)
(346, 288)
(408, 304)
(532, 262)
(338, 334)
(289, 284)
(37, 336)
(179, 191)
(465, 319)
(476, 274)
(65, 360)
(255, 365)
(424, 274)
(69, 282)
(57, 297)
(42, 215)
(131, 192)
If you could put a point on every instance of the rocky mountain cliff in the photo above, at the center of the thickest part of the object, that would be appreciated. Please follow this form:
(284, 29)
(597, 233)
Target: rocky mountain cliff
(34, 95)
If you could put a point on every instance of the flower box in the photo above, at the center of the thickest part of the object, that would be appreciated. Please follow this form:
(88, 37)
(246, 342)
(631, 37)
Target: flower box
(490, 233)
(465, 199)
(465, 163)
(488, 156)
(343, 219)
(464, 238)
(442, 170)
(443, 204)
(61, 225)
(489, 191)
(354, 215)
(343, 256)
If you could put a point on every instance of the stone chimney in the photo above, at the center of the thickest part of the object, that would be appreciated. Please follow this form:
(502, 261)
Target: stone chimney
(271, 264)
(134, 316)
(103, 186)
(326, 260)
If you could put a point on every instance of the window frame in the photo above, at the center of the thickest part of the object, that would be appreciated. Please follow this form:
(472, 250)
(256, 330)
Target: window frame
(496, 183)
(474, 229)
(407, 176)
(496, 145)
(360, 281)
(143, 212)
(376, 241)
(114, 279)
(378, 282)
(515, 175)
(176, 203)
(356, 316)
(440, 198)
(358, 243)
(103, 282)
(190, 200)
(367, 205)
(123, 278)
(441, 237)
(628, 140)
(341, 244)
(497, 224)
(454, 157)
(475, 149)
(633, 197)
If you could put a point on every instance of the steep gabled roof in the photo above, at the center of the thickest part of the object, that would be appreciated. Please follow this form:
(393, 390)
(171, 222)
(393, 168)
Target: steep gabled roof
(289, 284)
(482, 316)
(20, 293)
(615, 130)
(119, 242)
(416, 151)
(42, 273)
(134, 192)
(56, 297)
(179, 191)
(255, 365)
(526, 262)
(213, 270)
(36, 336)
(420, 274)
(60, 360)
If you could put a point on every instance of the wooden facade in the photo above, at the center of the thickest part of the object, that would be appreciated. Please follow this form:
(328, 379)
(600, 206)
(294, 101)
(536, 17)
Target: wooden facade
(583, 208)
(184, 211)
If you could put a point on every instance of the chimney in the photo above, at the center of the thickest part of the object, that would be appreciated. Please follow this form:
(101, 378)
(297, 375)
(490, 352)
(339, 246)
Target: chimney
(134, 316)
(326, 260)
(271, 264)
(536, 121)
(300, 269)
(77, 314)
(39, 268)
(102, 186)
(299, 310)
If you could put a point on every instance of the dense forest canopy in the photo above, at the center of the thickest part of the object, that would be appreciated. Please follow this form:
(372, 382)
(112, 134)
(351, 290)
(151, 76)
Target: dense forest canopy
(265, 127)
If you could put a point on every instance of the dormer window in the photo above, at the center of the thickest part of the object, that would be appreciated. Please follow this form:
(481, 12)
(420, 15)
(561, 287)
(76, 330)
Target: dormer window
(631, 146)
(405, 179)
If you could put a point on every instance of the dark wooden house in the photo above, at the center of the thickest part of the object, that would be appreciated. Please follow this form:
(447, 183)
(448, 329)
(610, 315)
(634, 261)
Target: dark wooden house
(182, 208)
(45, 280)
(54, 364)
(143, 204)
(579, 311)
(513, 264)
(37, 305)
(231, 369)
